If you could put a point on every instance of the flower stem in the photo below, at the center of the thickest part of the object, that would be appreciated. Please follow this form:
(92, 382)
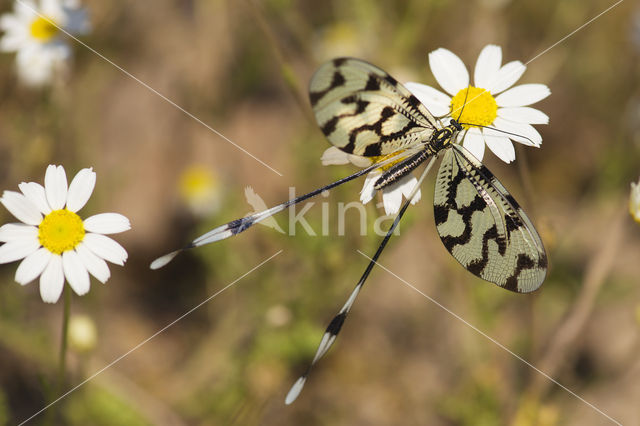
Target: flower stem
(62, 367)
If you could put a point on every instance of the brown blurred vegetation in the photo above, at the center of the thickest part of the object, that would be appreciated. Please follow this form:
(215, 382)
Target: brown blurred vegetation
(242, 67)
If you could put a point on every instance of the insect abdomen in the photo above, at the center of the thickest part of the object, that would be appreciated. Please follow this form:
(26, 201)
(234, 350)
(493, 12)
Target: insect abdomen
(402, 169)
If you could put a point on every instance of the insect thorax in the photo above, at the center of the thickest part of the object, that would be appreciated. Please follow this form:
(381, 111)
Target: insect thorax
(440, 139)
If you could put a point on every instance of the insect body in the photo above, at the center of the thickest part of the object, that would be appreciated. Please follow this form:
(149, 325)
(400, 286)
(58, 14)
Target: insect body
(439, 139)
(362, 110)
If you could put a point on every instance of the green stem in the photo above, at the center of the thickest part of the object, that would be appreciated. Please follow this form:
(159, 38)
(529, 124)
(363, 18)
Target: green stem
(62, 367)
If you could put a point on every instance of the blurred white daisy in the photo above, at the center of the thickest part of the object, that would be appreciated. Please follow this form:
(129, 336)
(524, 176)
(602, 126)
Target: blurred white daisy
(33, 31)
(634, 201)
(488, 102)
(392, 195)
(53, 241)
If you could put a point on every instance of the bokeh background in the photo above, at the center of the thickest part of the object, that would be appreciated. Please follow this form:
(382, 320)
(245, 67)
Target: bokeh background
(242, 67)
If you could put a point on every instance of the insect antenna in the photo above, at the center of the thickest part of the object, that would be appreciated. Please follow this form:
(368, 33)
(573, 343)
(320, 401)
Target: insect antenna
(464, 103)
(486, 127)
(334, 327)
(501, 131)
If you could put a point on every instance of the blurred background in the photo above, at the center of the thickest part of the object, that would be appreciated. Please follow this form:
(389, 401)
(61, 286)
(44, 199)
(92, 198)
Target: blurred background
(242, 67)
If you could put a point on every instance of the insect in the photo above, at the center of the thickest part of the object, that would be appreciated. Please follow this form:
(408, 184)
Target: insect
(362, 110)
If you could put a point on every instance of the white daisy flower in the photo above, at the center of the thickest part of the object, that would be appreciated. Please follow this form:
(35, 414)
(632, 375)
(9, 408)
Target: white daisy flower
(488, 102)
(634, 201)
(33, 31)
(392, 195)
(53, 240)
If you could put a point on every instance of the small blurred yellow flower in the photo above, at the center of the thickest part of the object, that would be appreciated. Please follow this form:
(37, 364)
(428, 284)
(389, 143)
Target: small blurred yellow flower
(200, 190)
(634, 201)
(343, 39)
(638, 314)
(43, 29)
(278, 316)
(83, 334)
(532, 413)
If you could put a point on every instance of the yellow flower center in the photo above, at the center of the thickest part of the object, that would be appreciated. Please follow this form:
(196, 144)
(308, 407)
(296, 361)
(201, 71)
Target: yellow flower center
(381, 158)
(197, 182)
(480, 108)
(43, 29)
(61, 230)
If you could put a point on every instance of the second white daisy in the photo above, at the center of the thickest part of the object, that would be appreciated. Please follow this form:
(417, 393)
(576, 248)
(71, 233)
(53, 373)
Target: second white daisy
(53, 242)
(34, 33)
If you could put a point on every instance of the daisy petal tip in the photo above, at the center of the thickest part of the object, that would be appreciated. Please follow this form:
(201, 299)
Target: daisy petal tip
(22, 280)
(82, 291)
(164, 260)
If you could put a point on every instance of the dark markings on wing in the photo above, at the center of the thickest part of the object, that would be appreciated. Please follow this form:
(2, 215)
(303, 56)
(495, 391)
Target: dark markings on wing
(336, 324)
(483, 227)
(364, 111)
(336, 81)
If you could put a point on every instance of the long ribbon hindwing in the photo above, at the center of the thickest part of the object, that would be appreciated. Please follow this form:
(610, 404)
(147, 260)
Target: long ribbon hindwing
(364, 111)
(483, 227)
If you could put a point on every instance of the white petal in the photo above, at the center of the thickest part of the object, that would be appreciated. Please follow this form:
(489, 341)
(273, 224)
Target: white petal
(500, 145)
(18, 249)
(96, 266)
(51, 8)
(10, 23)
(11, 42)
(107, 223)
(35, 193)
(75, 272)
(449, 70)
(17, 231)
(15, 33)
(20, 207)
(407, 187)
(106, 248)
(52, 280)
(55, 185)
(474, 143)
(506, 77)
(32, 266)
(523, 115)
(392, 197)
(368, 190)
(81, 189)
(334, 156)
(487, 65)
(36, 65)
(523, 133)
(525, 94)
(25, 10)
(436, 102)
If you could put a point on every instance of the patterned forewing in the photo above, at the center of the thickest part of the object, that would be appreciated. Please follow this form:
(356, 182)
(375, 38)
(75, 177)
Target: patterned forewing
(364, 111)
(483, 227)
